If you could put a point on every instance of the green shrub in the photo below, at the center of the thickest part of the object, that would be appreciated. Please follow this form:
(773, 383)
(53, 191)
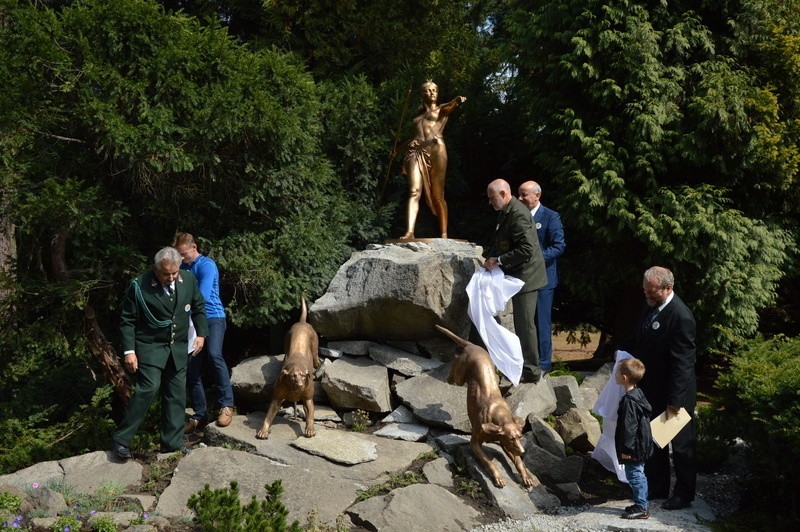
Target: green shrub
(713, 442)
(66, 522)
(759, 399)
(9, 501)
(104, 524)
(219, 510)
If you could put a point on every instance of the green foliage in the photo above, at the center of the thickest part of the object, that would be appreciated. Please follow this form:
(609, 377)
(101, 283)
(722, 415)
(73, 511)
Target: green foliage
(65, 523)
(360, 421)
(759, 398)
(220, 510)
(9, 502)
(470, 488)
(396, 480)
(655, 131)
(713, 446)
(560, 369)
(27, 437)
(104, 523)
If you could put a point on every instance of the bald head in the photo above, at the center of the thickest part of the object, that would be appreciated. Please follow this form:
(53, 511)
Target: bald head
(529, 194)
(499, 192)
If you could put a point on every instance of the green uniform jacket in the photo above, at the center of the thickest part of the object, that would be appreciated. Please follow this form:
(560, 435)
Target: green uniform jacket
(153, 345)
(516, 245)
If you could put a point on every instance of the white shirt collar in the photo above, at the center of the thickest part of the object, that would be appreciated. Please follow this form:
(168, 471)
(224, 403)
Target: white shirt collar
(533, 211)
(666, 301)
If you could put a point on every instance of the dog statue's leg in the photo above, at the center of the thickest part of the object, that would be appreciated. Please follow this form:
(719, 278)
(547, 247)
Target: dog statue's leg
(477, 450)
(274, 405)
(527, 480)
(308, 405)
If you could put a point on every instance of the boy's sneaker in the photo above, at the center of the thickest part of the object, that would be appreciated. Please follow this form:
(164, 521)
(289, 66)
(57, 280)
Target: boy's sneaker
(636, 512)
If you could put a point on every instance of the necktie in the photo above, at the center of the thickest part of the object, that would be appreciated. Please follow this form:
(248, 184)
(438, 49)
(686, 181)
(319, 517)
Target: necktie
(648, 320)
(170, 290)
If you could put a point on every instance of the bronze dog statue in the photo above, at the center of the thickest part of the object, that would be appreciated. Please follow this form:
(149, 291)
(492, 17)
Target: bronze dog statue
(296, 379)
(488, 412)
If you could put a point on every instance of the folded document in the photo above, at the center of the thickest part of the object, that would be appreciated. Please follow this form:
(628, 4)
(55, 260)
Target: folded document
(664, 429)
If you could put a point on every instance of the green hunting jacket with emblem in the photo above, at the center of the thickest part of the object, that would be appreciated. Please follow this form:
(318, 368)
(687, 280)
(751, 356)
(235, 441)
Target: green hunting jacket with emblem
(154, 345)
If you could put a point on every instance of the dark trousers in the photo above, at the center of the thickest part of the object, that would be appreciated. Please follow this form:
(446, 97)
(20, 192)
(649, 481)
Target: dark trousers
(149, 380)
(212, 352)
(524, 305)
(684, 458)
(544, 314)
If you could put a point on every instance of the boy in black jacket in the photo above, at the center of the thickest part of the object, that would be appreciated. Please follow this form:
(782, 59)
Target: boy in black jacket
(633, 438)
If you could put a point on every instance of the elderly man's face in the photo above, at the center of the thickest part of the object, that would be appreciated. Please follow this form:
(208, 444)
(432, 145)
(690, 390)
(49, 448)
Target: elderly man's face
(653, 293)
(528, 198)
(166, 272)
(496, 199)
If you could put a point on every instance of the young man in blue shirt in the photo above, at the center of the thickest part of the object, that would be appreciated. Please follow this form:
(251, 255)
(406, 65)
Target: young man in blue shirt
(205, 269)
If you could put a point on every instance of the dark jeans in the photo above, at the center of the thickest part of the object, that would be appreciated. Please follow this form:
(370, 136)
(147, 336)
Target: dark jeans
(222, 382)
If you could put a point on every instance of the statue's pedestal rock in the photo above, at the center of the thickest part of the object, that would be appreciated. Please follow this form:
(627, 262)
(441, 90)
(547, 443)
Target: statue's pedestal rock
(399, 292)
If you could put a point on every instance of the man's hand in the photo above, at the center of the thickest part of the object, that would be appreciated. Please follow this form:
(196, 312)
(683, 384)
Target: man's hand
(131, 362)
(490, 263)
(672, 411)
(199, 342)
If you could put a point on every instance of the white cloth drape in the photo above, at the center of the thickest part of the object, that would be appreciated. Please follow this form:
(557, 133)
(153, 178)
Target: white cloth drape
(606, 406)
(192, 335)
(489, 292)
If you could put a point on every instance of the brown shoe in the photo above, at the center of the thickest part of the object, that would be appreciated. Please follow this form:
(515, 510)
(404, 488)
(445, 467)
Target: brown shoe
(225, 416)
(194, 424)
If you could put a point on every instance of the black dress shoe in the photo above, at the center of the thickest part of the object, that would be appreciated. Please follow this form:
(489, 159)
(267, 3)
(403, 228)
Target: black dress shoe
(122, 452)
(676, 502)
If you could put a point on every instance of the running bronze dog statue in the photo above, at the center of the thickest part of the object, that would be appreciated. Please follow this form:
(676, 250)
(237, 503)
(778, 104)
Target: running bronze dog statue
(488, 412)
(296, 380)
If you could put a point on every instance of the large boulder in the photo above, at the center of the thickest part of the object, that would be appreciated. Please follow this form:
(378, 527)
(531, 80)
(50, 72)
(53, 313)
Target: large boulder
(399, 292)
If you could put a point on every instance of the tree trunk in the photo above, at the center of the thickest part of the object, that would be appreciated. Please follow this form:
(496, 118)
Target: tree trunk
(99, 347)
(106, 356)
(8, 250)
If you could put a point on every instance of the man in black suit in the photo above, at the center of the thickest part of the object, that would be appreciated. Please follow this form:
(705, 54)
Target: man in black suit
(515, 248)
(664, 340)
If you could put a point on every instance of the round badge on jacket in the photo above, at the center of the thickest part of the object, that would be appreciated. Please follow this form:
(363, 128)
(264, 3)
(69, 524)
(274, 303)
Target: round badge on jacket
(187, 307)
(656, 325)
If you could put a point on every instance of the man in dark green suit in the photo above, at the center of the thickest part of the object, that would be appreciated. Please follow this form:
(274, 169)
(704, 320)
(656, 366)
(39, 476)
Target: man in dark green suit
(154, 328)
(515, 248)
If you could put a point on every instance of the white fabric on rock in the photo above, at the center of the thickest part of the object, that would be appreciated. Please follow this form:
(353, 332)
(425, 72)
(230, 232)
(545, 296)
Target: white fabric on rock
(606, 406)
(489, 291)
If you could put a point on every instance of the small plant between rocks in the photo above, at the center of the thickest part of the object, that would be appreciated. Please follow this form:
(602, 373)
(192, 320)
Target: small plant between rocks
(219, 510)
(396, 480)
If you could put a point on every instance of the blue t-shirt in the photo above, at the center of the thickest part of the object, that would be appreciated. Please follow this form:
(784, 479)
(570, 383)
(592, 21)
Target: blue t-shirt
(207, 274)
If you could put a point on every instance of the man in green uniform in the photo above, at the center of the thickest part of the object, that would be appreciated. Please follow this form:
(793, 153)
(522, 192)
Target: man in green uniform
(154, 327)
(515, 248)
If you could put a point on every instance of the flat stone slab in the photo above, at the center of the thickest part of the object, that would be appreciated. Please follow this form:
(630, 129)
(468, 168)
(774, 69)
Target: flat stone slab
(84, 473)
(403, 431)
(419, 507)
(303, 486)
(401, 361)
(339, 446)
(393, 455)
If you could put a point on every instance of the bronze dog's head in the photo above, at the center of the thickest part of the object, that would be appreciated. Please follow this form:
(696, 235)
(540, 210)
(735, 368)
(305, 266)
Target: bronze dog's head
(508, 435)
(296, 377)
